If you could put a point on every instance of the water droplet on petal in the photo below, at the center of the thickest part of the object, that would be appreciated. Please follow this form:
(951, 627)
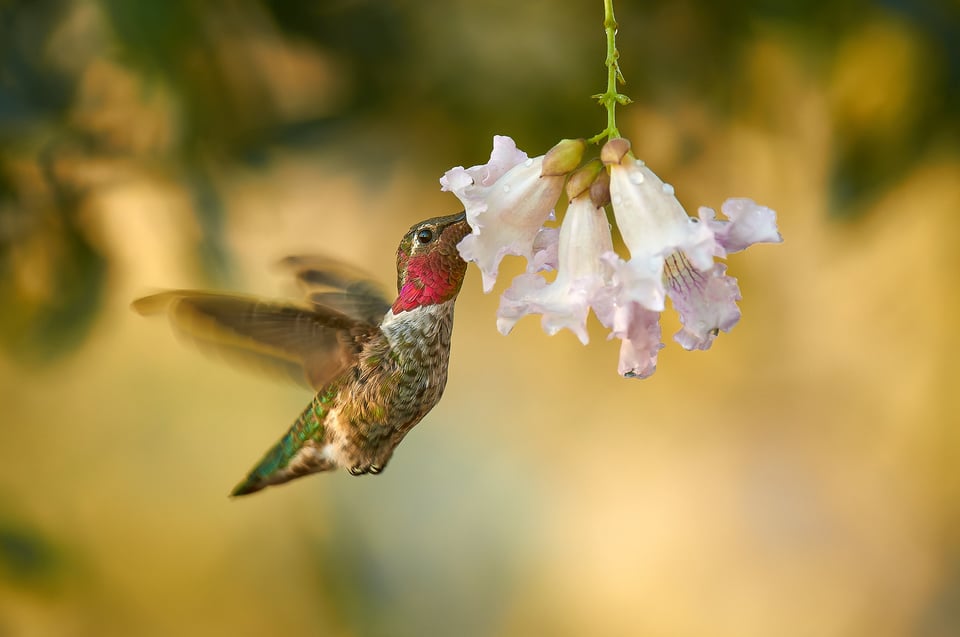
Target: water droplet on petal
(529, 162)
(639, 163)
(616, 199)
(636, 177)
(668, 190)
(506, 187)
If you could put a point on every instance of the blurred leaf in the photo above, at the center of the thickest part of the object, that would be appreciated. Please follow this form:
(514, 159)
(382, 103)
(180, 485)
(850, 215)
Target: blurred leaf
(52, 279)
(942, 617)
(26, 558)
(31, 89)
(891, 103)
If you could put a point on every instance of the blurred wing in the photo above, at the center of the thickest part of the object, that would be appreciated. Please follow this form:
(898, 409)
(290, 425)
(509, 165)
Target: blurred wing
(307, 345)
(334, 285)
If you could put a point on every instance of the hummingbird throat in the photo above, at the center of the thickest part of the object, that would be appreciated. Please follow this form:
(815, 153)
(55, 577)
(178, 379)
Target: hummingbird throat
(429, 279)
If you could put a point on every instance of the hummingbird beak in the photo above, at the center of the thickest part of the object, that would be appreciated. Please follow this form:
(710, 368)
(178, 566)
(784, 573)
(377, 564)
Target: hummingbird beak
(458, 224)
(453, 227)
(449, 220)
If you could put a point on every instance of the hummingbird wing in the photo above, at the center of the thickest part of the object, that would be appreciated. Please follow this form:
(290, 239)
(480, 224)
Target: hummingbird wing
(309, 344)
(329, 283)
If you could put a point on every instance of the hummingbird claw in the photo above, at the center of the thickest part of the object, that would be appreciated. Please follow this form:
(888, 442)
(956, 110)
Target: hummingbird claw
(360, 470)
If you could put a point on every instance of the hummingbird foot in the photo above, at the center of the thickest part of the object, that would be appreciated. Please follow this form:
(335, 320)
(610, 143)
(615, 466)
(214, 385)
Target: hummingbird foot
(360, 470)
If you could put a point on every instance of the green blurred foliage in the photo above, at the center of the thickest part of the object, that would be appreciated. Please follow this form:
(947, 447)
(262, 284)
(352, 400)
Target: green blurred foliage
(27, 559)
(50, 241)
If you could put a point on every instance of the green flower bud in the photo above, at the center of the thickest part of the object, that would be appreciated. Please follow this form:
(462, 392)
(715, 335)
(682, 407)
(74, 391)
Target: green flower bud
(563, 158)
(581, 180)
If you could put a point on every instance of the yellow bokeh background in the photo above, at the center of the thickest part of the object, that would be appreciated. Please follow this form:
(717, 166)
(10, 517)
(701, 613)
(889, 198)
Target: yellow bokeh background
(799, 479)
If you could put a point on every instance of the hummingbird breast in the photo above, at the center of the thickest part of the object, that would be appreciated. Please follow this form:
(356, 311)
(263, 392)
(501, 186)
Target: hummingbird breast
(400, 376)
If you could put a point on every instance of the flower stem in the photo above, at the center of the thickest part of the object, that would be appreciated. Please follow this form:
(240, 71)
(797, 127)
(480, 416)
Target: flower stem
(611, 97)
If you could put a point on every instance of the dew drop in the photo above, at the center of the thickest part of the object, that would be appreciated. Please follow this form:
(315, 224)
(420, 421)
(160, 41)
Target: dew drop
(640, 163)
(636, 177)
(616, 199)
(529, 162)
(506, 187)
(668, 190)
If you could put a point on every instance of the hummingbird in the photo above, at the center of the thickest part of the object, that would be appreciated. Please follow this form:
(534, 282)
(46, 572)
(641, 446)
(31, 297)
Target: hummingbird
(376, 367)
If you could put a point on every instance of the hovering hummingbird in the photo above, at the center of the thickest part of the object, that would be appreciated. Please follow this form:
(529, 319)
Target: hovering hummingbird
(377, 368)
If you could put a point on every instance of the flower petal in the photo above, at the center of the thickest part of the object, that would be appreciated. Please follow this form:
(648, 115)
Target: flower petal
(638, 280)
(545, 246)
(637, 326)
(531, 294)
(748, 223)
(705, 300)
(504, 156)
(639, 332)
(651, 220)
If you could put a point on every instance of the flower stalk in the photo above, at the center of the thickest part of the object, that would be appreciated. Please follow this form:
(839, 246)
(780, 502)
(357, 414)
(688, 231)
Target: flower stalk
(611, 97)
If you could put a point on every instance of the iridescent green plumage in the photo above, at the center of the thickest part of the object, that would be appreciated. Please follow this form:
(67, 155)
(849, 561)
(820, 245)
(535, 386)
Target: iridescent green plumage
(276, 462)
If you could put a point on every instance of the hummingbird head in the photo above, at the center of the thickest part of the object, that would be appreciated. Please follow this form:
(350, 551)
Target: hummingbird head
(429, 268)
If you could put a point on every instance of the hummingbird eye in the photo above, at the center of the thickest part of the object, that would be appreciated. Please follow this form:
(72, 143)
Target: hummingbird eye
(425, 235)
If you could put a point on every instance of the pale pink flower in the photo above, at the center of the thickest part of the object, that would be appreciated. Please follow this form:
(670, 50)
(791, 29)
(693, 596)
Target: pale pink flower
(673, 254)
(564, 303)
(507, 200)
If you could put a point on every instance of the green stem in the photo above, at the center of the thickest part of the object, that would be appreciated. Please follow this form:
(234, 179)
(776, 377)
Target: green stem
(611, 97)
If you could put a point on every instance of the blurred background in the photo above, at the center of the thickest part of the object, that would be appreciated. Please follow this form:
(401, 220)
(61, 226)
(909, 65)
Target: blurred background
(799, 479)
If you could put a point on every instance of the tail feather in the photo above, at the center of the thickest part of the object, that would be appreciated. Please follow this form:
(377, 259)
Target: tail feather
(297, 454)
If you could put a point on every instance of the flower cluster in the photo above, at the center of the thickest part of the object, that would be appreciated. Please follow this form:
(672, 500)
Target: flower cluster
(509, 199)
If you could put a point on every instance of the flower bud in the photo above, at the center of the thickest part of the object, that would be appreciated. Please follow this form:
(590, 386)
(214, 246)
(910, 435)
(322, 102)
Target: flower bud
(614, 150)
(563, 158)
(581, 180)
(600, 190)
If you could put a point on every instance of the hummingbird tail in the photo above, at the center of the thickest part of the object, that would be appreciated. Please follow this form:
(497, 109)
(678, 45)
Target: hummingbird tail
(298, 453)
